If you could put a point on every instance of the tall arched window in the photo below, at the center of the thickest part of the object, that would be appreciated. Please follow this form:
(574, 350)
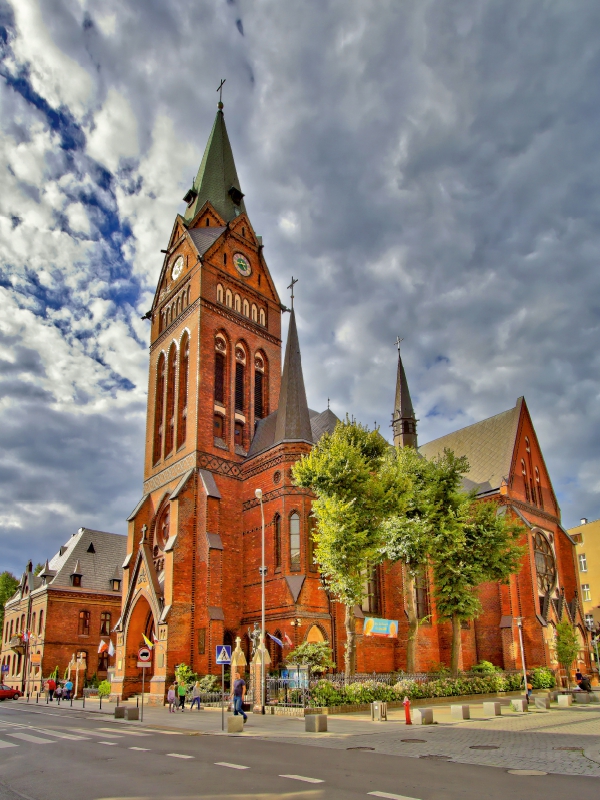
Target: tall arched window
(220, 356)
(240, 376)
(182, 399)
(371, 601)
(105, 623)
(525, 481)
(84, 623)
(246, 308)
(262, 318)
(254, 313)
(237, 304)
(294, 542)
(159, 402)
(162, 527)
(277, 541)
(22, 623)
(41, 625)
(312, 527)
(33, 619)
(228, 298)
(219, 293)
(11, 629)
(539, 488)
(170, 416)
(259, 387)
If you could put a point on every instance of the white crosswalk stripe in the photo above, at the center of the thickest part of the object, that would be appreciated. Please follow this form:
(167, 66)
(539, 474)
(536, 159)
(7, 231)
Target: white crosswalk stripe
(231, 766)
(27, 737)
(99, 733)
(7, 744)
(302, 778)
(126, 732)
(178, 755)
(391, 796)
(60, 734)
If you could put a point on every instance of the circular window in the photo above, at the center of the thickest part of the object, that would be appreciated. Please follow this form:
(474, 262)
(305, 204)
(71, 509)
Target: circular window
(161, 535)
(545, 564)
(277, 477)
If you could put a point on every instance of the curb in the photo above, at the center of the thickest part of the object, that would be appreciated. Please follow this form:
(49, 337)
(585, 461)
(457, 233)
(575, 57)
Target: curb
(593, 753)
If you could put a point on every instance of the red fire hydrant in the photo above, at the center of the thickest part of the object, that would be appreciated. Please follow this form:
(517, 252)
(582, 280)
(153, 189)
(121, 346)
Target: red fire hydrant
(406, 704)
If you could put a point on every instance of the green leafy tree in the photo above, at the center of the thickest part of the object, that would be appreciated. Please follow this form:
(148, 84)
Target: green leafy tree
(38, 568)
(567, 646)
(475, 542)
(104, 688)
(185, 674)
(314, 655)
(350, 505)
(8, 586)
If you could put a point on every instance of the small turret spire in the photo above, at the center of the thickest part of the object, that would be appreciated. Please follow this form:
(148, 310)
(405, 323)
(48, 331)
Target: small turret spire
(293, 420)
(404, 423)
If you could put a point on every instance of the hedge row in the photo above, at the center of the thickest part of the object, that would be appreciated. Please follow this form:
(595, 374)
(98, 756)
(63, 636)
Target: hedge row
(325, 693)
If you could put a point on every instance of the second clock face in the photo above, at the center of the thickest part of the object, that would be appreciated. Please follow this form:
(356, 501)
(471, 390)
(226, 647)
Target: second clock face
(242, 265)
(177, 268)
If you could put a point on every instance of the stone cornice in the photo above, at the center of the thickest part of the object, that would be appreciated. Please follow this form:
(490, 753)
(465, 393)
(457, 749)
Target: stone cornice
(177, 321)
(275, 493)
(241, 320)
(533, 510)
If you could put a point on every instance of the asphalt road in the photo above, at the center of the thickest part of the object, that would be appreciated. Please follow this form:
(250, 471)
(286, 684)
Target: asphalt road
(63, 755)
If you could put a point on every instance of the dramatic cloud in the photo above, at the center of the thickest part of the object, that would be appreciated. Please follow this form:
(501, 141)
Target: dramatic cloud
(426, 169)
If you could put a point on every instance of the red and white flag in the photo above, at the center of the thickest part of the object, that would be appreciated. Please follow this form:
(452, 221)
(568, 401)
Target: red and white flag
(287, 640)
(111, 648)
(102, 647)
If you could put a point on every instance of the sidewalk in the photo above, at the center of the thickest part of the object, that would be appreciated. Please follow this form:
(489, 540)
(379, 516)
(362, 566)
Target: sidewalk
(563, 741)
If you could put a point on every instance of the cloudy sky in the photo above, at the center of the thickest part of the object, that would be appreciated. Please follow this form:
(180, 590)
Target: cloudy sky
(428, 168)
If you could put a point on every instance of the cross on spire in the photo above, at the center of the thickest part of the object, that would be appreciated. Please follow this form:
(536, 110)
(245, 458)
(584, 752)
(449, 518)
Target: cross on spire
(291, 286)
(397, 342)
(144, 531)
(220, 91)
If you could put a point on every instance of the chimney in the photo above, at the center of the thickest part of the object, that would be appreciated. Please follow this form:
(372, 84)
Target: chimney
(584, 520)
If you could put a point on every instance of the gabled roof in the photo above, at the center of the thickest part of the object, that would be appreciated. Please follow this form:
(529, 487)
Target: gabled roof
(97, 568)
(217, 178)
(204, 237)
(488, 446)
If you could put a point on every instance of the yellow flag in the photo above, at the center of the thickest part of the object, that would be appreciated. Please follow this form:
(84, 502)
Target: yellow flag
(148, 642)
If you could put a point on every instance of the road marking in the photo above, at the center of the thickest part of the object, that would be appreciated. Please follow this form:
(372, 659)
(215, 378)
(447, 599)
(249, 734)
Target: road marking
(391, 796)
(110, 744)
(525, 772)
(128, 733)
(60, 735)
(144, 749)
(27, 737)
(7, 744)
(98, 733)
(231, 766)
(178, 755)
(302, 778)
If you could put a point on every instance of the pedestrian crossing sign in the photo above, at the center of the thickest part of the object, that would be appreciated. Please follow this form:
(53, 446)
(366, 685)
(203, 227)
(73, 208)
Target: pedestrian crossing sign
(223, 654)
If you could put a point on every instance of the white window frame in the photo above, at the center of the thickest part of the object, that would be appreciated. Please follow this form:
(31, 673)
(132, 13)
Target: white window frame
(582, 562)
(585, 592)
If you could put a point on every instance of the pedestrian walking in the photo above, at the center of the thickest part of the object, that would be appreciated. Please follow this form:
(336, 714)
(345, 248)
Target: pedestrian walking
(51, 687)
(171, 698)
(238, 696)
(68, 689)
(196, 696)
(181, 688)
(58, 692)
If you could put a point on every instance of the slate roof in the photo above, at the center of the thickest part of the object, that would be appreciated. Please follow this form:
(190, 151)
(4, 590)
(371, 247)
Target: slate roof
(403, 407)
(204, 237)
(98, 568)
(216, 176)
(488, 445)
(293, 420)
(320, 423)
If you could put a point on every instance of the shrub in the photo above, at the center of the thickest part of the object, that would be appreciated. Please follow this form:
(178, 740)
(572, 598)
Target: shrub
(324, 693)
(209, 683)
(314, 655)
(485, 667)
(542, 678)
(104, 689)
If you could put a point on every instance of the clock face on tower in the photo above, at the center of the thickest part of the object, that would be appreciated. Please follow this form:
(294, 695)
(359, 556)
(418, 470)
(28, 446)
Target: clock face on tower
(242, 265)
(177, 268)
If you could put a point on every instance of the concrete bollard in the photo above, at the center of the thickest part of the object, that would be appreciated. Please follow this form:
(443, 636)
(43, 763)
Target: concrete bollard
(565, 700)
(315, 723)
(235, 724)
(581, 697)
(519, 704)
(492, 709)
(423, 716)
(132, 713)
(543, 703)
(460, 712)
(120, 712)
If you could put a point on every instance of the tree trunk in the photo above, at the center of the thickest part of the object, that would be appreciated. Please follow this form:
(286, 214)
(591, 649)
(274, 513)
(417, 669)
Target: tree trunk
(456, 646)
(350, 654)
(413, 622)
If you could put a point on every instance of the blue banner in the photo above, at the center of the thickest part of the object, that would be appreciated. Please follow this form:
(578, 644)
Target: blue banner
(381, 627)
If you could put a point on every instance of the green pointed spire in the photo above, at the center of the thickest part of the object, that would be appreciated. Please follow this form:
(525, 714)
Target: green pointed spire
(217, 178)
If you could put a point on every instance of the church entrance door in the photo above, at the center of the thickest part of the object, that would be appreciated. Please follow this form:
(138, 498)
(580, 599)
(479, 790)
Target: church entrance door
(141, 623)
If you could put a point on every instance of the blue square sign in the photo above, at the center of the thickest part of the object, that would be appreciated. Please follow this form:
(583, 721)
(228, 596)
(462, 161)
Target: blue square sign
(223, 654)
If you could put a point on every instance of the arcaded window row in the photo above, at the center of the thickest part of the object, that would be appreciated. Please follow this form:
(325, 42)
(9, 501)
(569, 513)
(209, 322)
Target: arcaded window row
(241, 305)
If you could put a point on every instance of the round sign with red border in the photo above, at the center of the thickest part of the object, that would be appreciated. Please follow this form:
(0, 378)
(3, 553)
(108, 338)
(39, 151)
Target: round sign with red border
(144, 654)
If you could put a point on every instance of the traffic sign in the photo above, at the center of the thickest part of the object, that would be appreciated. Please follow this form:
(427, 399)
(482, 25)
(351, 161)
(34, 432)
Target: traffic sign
(223, 654)
(144, 654)
(144, 665)
(5, 667)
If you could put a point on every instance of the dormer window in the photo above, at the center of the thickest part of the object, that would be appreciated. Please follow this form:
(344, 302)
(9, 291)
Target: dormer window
(76, 575)
(236, 195)
(190, 196)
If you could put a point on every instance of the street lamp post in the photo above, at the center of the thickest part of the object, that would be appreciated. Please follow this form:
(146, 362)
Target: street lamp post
(263, 571)
(519, 621)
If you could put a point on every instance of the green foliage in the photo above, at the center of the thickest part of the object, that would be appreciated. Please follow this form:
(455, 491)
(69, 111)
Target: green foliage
(314, 655)
(92, 682)
(437, 668)
(37, 569)
(8, 586)
(542, 678)
(209, 683)
(104, 688)
(54, 674)
(185, 674)
(567, 645)
(485, 667)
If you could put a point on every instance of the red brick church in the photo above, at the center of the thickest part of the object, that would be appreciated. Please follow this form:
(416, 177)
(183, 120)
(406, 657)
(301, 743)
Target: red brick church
(224, 419)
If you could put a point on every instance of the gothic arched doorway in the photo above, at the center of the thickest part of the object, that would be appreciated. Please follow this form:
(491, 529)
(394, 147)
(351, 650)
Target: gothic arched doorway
(140, 624)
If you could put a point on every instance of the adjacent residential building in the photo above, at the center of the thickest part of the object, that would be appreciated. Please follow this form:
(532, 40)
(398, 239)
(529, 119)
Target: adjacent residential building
(587, 538)
(64, 612)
